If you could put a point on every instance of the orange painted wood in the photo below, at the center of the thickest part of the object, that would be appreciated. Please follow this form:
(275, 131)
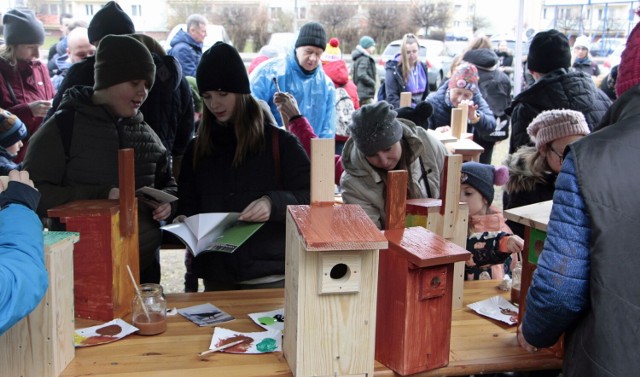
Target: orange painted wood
(339, 227)
(127, 186)
(415, 283)
(396, 199)
(478, 345)
(424, 248)
(102, 287)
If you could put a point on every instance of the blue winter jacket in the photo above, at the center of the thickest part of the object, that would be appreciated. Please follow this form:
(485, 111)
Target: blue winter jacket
(442, 113)
(23, 277)
(559, 292)
(187, 51)
(314, 91)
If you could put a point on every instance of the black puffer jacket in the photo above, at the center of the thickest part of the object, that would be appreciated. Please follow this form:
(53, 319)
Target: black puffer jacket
(80, 73)
(214, 185)
(558, 89)
(494, 84)
(91, 168)
(169, 107)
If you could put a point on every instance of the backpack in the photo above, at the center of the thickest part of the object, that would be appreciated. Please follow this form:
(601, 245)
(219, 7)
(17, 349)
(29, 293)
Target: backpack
(344, 111)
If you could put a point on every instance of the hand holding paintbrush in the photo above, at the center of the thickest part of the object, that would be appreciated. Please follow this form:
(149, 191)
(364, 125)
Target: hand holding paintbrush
(285, 119)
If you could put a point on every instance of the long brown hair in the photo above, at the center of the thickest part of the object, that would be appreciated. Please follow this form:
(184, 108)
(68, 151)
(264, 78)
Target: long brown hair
(248, 124)
(8, 53)
(404, 60)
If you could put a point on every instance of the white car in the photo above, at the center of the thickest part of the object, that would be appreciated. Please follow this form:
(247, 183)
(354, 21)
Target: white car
(433, 52)
(215, 33)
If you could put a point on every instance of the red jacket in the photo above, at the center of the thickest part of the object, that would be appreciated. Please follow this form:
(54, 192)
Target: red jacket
(339, 74)
(30, 82)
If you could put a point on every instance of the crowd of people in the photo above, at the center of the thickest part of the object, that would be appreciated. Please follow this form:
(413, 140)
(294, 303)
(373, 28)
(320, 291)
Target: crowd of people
(246, 149)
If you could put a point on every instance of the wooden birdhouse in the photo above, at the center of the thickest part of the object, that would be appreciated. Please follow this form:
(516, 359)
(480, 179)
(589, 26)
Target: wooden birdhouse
(446, 217)
(42, 343)
(331, 280)
(415, 290)
(535, 218)
(108, 243)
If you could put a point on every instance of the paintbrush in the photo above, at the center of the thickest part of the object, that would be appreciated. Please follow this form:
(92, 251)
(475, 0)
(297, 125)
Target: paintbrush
(275, 81)
(135, 285)
(222, 347)
(284, 122)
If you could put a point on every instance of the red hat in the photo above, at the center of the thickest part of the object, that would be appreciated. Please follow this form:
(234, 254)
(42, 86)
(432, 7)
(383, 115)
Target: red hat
(629, 68)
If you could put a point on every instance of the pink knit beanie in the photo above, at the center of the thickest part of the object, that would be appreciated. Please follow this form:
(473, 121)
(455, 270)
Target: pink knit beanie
(465, 77)
(551, 125)
(629, 68)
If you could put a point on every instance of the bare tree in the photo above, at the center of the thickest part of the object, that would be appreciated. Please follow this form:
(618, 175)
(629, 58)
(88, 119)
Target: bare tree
(283, 23)
(430, 14)
(335, 16)
(479, 22)
(181, 10)
(259, 33)
(567, 26)
(237, 21)
(337, 19)
(384, 21)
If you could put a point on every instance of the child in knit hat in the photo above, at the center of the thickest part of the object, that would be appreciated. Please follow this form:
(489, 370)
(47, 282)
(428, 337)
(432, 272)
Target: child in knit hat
(533, 170)
(12, 132)
(462, 89)
(380, 142)
(489, 240)
(74, 154)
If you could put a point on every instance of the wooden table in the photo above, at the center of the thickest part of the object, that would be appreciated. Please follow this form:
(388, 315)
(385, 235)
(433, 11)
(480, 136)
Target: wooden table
(478, 344)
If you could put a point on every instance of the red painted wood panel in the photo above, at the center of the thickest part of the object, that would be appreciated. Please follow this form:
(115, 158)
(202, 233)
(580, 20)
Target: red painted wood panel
(341, 227)
(424, 248)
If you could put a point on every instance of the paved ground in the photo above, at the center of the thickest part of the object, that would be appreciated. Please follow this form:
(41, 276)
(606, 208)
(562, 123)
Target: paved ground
(172, 260)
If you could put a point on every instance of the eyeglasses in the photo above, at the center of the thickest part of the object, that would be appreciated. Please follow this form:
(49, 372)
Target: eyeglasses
(559, 155)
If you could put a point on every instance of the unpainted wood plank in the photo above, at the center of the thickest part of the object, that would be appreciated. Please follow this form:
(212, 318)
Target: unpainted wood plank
(322, 170)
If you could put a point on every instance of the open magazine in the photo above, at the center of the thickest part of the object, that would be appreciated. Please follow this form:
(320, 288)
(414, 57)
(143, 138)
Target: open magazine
(213, 232)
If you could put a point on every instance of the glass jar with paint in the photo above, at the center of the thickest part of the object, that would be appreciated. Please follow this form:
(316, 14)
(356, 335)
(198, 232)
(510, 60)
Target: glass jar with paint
(150, 310)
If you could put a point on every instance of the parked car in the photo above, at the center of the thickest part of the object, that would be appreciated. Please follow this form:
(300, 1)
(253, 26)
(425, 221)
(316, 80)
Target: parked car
(215, 33)
(433, 52)
(606, 47)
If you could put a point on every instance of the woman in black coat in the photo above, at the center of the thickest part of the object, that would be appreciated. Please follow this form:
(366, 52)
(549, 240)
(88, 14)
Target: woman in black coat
(241, 162)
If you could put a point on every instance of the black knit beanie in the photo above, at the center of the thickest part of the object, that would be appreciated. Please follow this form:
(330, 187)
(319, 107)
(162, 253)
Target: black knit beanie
(111, 19)
(549, 50)
(483, 177)
(121, 58)
(418, 115)
(22, 28)
(312, 34)
(12, 129)
(222, 69)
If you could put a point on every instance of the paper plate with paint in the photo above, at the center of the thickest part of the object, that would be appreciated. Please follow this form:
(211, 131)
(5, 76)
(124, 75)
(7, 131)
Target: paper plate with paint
(205, 314)
(273, 320)
(496, 307)
(101, 334)
(252, 342)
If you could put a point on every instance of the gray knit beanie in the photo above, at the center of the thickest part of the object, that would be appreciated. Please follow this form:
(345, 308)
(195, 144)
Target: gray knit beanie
(375, 127)
(21, 27)
(121, 58)
(551, 125)
(312, 34)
